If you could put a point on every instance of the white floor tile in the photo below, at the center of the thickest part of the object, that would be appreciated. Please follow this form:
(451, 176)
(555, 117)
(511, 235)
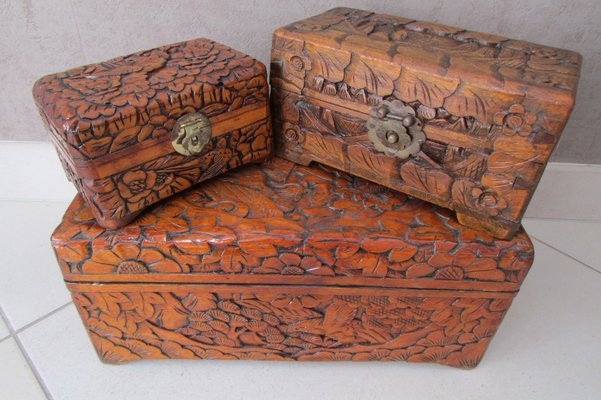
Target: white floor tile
(548, 348)
(32, 171)
(31, 284)
(568, 191)
(3, 329)
(16, 379)
(579, 239)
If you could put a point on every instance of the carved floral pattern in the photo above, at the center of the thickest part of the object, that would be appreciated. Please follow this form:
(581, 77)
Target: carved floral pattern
(516, 121)
(276, 325)
(286, 219)
(98, 111)
(126, 258)
(87, 106)
(474, 130)
(117, 198)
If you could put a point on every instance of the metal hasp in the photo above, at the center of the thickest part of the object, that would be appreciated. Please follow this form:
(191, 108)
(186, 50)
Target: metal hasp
(191, 134)
(394, 129)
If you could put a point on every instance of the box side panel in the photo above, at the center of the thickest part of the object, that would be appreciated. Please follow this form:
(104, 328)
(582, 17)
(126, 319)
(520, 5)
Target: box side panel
(495, 187)
(132, 322)
(118, 198)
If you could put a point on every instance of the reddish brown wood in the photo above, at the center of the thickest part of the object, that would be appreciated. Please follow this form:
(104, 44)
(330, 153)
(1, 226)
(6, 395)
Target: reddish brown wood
(492, 108)
(290, 247)
(111, 122)
(287, 323)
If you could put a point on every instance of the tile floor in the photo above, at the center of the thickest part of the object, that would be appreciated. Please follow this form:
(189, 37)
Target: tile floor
(549, 345)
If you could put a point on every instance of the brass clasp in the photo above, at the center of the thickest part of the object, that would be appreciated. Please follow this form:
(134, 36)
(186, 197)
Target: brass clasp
(191, 134)
(394, 129)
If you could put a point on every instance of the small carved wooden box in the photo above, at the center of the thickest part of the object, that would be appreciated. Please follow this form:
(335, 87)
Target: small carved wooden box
(287, 262)
(139, 128)
(462, 119)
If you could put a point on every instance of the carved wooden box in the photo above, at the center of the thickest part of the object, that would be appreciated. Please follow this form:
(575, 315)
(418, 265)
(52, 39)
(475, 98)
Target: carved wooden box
(287, 262)
(461, 119)
(136, 129)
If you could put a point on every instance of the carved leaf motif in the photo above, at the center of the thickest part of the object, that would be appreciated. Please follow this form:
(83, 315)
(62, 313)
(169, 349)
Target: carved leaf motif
(283, 43)
(233, 259)
(419, 271)
(348, 126)
(462, 192)
(372, 76)
(522, 148)
(326, 148)
(479, 103)
(112, 353)
(327, 62)
(428, 89)
(504, 164)
(382, 242)
(338, 316)
(199, 302)
(262, 205)
(312, 120)
(425, 179)
(471, 167)
(361, 157)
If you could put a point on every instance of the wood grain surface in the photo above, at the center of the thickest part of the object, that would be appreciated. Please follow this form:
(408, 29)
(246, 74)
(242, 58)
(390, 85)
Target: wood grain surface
(111, 122)
(283, 261)
(492, 108)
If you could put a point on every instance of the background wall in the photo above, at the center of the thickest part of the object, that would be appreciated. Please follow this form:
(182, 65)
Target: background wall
(40, 37)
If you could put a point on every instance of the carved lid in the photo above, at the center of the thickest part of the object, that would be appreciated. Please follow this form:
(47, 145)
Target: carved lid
(282, 223)
(470, 74)
(102, 108)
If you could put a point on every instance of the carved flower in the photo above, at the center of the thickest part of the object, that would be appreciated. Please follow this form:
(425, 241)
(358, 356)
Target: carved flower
(170, 78)
(136, 185)
(516, 121)
(292, 135)
(203, 59)
(198, 48)
(488, 201)
(128, 258)
(90, 110)
(135, 90)
(97, 89)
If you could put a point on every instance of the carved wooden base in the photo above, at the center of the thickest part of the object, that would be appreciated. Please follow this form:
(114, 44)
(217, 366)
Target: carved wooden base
(301, 323)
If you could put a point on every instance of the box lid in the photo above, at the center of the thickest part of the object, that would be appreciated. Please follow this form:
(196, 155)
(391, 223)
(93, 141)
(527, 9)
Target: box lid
(109, 116)
(473, 76)
(282, 223)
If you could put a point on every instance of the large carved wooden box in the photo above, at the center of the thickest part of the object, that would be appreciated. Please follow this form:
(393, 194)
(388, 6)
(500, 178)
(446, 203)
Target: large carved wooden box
(462, 119)
(136, 129)
(287, 262)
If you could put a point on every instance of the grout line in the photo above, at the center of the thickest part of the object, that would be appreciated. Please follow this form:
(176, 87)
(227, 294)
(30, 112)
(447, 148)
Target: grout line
(566, 254)
(43, 317)
(25, 355)
(5, 338)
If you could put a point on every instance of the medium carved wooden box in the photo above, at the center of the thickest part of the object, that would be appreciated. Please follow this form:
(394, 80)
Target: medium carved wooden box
(287, 262)
(136, 129)
(461, 119)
